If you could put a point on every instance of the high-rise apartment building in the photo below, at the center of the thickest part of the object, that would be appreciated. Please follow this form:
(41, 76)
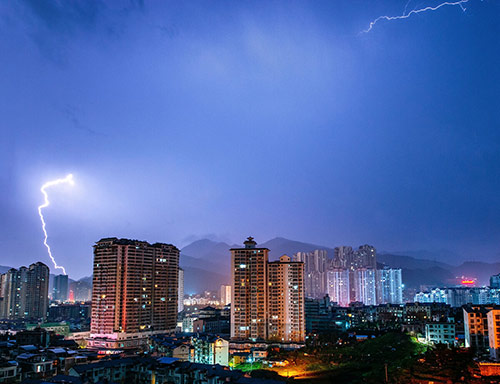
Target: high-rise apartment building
(316, 266)
(338, 286)
(249, 292)
(365, 286)
(286, 317)
(495, 281)
(225, 294)
(364, 257)
(82, 290)
(267, 300)
(342, 257)
(24, 293)
(180, 289)
(389, 286)
(135, 289)
(60, 290)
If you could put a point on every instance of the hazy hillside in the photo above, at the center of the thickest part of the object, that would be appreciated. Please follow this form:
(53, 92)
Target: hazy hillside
(216, 252)
(280, 246)
(214, 258)
(207, 265)
(482, 271)
(399, 261)
(443, 255)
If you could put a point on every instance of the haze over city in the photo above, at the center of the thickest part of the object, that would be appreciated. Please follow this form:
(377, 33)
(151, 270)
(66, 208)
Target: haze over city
(185, 121)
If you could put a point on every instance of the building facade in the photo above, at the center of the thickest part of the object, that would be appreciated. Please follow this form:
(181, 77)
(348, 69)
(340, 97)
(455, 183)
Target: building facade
(476, 327)
(338, 286)
(440, 333)
(249, 292)
(389, 286)
(225, 294)
(210, 350)
(267, 298)
(25, 293)
(286, 321)
(316, 266)
(365, 286)
(180, 290)
(493, 318)
(60, 290)
(135, 288)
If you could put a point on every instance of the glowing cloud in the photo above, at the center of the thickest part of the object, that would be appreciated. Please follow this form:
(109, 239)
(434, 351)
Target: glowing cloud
(67, 180)
(415, 11)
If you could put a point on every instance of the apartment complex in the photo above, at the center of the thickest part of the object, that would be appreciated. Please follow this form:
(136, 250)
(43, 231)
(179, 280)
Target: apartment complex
(493, 320)
(286, 300)
(60, 290)
(389, 284)
(315, 277)
(25, 293)
(346, 258)
(267, 298)
(225, 294)
(135, 289)
(351, 275)
(180, 291)
(338, 286)
(440, 332)
(249, 292)
(365, 286)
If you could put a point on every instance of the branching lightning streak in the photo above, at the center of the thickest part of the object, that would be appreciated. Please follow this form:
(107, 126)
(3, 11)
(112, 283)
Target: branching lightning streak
(405, 15)
(68, 179)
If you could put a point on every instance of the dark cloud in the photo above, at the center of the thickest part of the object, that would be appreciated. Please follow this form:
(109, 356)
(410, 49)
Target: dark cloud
(72, 113)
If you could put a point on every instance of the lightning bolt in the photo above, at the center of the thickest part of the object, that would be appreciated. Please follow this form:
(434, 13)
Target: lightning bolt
(415, 11)
(67, 180)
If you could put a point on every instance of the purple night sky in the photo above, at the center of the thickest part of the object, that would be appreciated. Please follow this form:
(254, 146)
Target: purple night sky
(221, 119)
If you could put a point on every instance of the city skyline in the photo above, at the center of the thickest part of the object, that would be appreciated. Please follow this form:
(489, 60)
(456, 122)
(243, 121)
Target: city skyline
(178, 120)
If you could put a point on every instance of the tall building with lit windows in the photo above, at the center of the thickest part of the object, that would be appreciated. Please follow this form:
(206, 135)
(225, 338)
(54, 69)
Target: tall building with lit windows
(316, 266)
(249, 292)
(180, 289)
(286, 321)
(60, 290)
(365, 284)
(267, 298)
(338, 286)
(24, 293)
(389, 286)
(135, 291)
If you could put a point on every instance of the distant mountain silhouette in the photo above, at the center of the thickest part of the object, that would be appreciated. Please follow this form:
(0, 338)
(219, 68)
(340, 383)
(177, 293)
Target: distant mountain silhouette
(280, 246)
(214, 257)
(86, 279)
(408, 262)
(206, 264)
(443, 255)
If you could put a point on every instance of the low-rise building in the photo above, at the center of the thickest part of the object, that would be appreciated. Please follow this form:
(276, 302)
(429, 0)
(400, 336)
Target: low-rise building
(440, 333)
(9, 371)
(35, 366)
(493, 318)
(476, 327)
(210, 350)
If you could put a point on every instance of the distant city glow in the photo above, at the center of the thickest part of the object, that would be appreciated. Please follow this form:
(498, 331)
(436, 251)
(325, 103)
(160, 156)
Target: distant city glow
(67, 180)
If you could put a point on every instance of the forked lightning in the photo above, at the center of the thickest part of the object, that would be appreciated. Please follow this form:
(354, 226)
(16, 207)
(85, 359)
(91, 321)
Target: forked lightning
(67, 180)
